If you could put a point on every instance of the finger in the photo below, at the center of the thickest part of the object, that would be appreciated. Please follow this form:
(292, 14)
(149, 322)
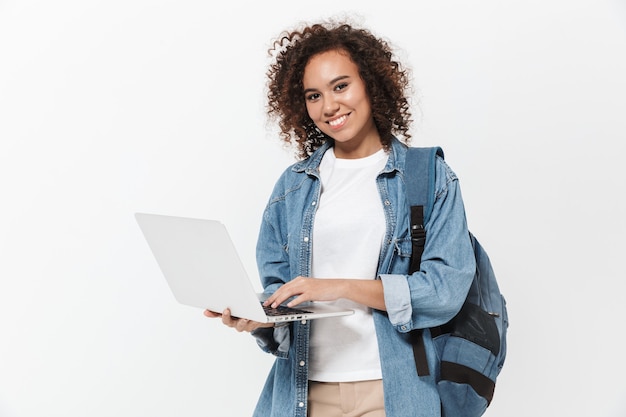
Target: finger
(284, 293)
(269, 300)
(242, 325)
(211, 314)
(298, 300)
(227, 319)
(275, 299)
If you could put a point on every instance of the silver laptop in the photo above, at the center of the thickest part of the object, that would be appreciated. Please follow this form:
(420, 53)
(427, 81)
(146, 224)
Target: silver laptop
(203, 269)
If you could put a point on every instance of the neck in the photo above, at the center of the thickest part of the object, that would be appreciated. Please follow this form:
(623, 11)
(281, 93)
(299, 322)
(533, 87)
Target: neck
(345, 150)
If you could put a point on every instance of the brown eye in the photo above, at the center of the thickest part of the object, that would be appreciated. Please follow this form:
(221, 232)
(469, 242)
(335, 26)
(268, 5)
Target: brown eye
(312, 97)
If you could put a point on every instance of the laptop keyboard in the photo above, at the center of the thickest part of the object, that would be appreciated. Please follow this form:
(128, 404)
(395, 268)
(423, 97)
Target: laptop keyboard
(282, 310)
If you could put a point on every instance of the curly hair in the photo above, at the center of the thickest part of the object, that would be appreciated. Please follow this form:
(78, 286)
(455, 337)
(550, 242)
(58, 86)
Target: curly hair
(385, 79)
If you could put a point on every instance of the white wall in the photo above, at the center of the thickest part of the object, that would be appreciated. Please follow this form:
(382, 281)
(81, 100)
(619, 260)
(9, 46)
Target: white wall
(112, 107)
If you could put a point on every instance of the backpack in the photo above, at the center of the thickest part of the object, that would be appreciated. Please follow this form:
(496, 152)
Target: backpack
(472, 346)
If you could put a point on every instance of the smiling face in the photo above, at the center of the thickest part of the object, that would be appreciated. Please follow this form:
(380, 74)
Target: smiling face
(338, 104)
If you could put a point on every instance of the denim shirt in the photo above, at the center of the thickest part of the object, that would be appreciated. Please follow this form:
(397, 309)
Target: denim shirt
(424, 299)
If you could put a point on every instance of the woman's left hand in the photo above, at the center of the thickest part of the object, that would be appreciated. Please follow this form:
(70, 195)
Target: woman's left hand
(368, 292)
(307, 289)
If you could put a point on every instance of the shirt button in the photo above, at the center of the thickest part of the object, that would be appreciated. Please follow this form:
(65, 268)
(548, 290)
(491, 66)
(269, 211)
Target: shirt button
(314, 203)
(306, 239)
(300, 404)
(303, 322)
(403, 327)
(301, 363)
(387, 202)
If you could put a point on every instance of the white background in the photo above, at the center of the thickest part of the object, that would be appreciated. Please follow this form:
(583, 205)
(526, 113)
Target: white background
(112, 107)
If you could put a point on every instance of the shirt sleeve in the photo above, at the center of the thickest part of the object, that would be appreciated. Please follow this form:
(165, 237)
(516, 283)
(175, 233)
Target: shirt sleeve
(274, 270)
(274, 340)
(433, 295)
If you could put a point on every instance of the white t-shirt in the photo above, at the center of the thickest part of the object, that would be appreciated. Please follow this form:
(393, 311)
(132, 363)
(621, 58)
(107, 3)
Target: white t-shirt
(347, 236)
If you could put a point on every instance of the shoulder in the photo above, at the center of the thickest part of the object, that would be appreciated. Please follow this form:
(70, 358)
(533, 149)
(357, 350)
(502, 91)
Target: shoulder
(288, 180)
(444, 173)
(295, 178)
(446, 180)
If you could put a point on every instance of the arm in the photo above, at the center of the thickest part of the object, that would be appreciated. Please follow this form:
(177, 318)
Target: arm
(274, 269)
(433, 295)
(363, 291)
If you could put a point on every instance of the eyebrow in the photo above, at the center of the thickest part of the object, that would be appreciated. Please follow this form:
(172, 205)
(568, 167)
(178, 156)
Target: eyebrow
(331, 82)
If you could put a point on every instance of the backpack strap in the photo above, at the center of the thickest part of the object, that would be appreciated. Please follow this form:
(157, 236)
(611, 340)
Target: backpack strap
(419, 170)
(419, 173)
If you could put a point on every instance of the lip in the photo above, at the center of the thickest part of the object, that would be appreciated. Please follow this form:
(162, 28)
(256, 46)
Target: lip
(338, 122)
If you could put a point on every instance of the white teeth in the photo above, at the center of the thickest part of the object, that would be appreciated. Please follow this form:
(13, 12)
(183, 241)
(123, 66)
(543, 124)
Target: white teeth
(338, 121)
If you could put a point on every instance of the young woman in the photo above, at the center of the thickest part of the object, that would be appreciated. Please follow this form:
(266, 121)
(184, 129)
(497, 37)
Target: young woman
(336, 229)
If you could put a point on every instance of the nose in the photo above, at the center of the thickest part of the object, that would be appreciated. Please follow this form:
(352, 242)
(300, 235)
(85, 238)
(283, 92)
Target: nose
(331, 106)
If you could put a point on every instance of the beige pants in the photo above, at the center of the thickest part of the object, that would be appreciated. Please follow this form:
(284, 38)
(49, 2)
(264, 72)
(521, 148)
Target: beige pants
(346, 399)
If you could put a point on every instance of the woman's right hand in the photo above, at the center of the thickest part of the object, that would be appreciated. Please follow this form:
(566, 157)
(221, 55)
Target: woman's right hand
(239, 324)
